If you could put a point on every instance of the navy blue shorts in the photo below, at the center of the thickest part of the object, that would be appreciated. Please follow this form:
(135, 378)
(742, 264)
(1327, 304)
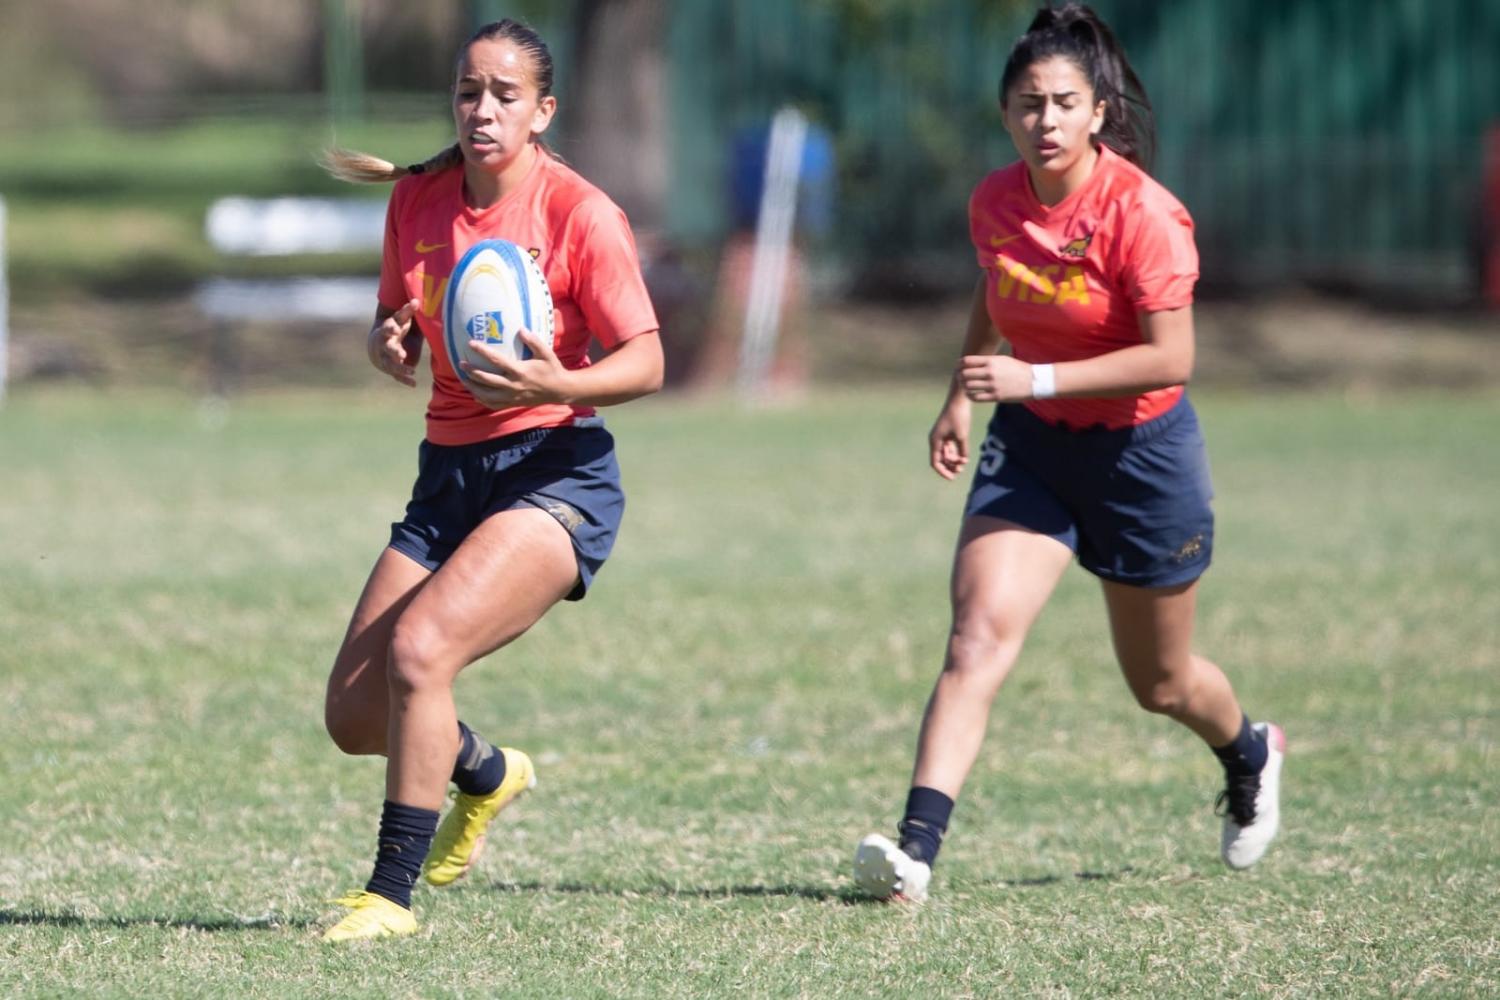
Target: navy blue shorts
(569, 472)
(1133, 503)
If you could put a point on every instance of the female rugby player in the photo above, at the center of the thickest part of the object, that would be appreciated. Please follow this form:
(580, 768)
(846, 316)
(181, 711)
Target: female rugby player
(1094, 451)
(517, 498)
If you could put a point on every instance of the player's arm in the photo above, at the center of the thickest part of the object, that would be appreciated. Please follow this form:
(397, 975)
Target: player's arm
(948, 441)
(1164, 357)
(634, 368)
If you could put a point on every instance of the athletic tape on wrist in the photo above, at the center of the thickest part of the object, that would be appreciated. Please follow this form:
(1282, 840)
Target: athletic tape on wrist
(1043, 382)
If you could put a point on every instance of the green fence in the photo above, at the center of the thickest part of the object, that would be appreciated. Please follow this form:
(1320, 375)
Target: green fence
(1313, 140)
(1339, 139)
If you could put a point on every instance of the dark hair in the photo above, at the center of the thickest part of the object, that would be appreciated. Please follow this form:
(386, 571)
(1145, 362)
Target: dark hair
(525, 39)
(349, 165)
(1074, 32)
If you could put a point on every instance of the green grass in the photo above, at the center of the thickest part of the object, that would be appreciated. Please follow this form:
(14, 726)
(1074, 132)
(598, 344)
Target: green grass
(732, 709)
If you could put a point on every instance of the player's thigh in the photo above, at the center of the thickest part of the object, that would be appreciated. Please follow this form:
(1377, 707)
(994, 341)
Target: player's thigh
(357, 682)
(1152, 629)
(510, 569)
(1003, 575)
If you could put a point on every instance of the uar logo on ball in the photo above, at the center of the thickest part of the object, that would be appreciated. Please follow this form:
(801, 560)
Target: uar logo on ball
(496, 289)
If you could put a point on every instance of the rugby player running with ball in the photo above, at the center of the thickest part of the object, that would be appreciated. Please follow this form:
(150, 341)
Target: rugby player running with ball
(517, 499)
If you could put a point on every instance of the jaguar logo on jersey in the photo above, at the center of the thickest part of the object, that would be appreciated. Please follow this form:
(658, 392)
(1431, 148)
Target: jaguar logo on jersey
(1077, 247)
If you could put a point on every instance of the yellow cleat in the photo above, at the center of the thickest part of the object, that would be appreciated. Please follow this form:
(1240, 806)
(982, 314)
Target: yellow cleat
(370, 916)
(460, 839)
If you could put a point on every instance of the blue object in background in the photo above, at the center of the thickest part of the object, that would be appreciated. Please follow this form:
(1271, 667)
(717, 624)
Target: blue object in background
(816, 184)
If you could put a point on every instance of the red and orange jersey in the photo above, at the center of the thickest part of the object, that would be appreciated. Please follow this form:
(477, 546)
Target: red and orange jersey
(1068, 281)
(577, 235)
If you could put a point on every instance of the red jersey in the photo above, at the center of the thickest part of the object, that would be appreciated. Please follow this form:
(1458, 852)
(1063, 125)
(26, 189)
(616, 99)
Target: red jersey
(1067, 281)
(578, 236)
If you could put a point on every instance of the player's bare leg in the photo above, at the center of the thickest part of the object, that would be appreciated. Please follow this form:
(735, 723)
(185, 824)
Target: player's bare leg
(1153, 634)
(357, 704)
(1002, 577)
(503, 578)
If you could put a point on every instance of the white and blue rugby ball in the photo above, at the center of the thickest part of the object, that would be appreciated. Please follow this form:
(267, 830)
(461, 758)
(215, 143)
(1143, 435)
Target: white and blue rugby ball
(496, 289)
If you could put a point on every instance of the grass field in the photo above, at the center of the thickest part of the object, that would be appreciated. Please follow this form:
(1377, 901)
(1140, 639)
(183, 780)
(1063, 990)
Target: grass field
(732, 709)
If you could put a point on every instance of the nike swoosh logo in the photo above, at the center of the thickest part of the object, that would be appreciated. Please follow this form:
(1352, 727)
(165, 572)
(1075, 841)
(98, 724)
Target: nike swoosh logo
(423, 247)
(1000, 241)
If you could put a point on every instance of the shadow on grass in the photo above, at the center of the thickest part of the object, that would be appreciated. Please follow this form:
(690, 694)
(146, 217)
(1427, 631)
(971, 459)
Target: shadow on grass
(66, 919)
(663, 891)
(1038, 881)
(847, 895)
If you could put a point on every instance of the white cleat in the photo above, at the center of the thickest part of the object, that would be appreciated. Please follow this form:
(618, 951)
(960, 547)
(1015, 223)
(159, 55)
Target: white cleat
(885, 871)
(1251, 807)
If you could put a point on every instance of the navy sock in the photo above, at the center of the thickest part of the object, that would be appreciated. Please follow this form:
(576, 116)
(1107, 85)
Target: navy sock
(405, 835)
(925, 822)
(1246, 754)
(480, 767)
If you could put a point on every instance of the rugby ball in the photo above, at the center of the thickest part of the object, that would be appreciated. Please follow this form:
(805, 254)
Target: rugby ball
(496, 289)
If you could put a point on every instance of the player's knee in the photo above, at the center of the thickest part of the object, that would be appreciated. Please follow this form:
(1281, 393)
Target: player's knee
(980, 655)
(1169, 697)
(416, 662)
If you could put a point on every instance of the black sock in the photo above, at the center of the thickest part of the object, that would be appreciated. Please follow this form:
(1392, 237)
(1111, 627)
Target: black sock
(1246, 754)
(925, 822)
(480, 767)
(405, 835)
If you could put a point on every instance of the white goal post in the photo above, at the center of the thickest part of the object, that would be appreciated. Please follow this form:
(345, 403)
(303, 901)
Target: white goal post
(773, 245)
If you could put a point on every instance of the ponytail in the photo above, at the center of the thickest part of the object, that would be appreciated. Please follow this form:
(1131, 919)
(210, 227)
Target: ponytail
(362, 168)
(1074, 32)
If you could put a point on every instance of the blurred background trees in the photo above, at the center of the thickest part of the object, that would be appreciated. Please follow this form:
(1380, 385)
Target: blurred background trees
(1335, 144)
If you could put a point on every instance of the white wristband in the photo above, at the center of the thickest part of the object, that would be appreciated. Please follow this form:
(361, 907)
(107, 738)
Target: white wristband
(1043, 382)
